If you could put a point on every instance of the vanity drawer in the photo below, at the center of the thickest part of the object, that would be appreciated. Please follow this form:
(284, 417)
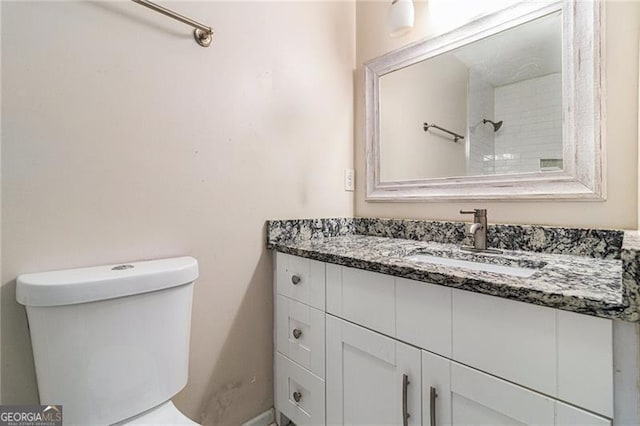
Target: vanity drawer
(300, 394)
(366, 298)
(301, 279)
(300, 334)
(423, 315)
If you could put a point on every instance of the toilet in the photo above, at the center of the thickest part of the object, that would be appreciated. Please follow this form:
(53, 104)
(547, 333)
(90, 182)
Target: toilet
(111, 343)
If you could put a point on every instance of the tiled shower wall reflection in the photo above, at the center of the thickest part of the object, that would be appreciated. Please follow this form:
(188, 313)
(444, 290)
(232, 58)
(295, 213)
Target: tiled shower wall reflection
(532, 130)
(530, 139)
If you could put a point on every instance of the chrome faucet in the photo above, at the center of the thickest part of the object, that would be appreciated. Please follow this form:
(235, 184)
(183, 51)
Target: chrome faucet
(478, 230)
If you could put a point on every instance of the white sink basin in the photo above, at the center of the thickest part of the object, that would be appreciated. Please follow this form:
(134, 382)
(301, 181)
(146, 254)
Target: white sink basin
(515, 271)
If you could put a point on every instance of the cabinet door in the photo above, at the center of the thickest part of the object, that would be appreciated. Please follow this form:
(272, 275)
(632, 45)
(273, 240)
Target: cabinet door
(365, 379)
(464, 396)
(436, 390)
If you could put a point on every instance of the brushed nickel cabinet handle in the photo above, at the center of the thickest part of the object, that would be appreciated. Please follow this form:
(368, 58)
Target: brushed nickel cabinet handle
(297, 396)
(297, 333)
(432, 405)
(405, 414)
(295, 279)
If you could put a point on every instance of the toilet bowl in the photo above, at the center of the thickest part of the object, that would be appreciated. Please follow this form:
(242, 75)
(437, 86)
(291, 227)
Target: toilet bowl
(164, 414)
(111, 343)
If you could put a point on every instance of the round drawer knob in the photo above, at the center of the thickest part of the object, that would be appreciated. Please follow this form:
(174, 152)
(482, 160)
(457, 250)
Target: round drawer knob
(295, 279)
(297, 396)
(297, 333)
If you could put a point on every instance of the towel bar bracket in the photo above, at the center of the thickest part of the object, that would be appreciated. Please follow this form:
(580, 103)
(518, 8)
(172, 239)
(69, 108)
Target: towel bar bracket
(202, 33)
(204, 38)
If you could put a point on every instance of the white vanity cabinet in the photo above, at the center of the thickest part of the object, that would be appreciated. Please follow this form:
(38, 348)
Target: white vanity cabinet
(383, 350)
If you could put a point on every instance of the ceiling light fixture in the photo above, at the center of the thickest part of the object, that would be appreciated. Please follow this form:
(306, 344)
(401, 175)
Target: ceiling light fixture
(401, 17)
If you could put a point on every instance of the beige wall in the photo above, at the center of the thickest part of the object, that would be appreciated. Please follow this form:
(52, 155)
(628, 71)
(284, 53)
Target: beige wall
(620, 209)
(123, 139)
(433, 91)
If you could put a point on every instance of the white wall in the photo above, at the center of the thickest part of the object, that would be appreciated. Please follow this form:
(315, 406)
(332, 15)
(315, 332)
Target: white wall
(621, 84)
(531, 111)
(123, 139)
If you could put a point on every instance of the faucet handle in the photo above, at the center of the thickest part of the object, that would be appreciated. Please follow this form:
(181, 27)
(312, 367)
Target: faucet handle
(477, 213)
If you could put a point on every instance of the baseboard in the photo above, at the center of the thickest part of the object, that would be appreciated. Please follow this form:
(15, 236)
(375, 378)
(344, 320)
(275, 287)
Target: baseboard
(265, 419)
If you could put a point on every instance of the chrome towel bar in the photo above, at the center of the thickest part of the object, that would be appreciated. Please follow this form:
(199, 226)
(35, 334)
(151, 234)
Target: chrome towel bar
(202, 33)
(456, 137)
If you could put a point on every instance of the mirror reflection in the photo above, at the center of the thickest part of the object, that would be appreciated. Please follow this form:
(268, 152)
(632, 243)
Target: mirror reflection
(490, 107)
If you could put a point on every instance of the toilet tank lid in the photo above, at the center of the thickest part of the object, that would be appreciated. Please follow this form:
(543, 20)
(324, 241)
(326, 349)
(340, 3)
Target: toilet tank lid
(72, 286)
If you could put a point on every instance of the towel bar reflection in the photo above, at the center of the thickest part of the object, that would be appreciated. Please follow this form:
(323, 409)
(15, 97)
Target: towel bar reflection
(202, 33)
(456, 137)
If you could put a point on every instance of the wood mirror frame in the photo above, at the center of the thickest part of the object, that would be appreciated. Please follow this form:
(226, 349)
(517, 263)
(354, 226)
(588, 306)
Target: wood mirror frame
(583, 176)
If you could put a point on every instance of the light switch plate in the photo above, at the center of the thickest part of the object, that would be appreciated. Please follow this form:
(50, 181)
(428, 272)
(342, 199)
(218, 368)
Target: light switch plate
(349, 184)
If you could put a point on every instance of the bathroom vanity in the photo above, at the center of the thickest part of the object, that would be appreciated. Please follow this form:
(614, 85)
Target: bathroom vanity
(367, 333)
(389, 322)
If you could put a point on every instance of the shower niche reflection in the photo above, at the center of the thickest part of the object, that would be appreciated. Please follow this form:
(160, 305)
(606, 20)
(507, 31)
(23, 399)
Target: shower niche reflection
(491, 107)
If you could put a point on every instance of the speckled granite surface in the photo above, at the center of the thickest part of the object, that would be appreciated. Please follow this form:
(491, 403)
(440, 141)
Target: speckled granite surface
(594, 272)
(308, 229)
(631, 273)
(596, 243)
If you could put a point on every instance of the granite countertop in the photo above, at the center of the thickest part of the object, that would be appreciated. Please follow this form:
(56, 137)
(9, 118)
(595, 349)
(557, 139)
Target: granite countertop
(597, 274)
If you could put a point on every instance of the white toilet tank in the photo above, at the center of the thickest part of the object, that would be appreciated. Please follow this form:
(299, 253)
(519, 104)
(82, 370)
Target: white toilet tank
(110, 342)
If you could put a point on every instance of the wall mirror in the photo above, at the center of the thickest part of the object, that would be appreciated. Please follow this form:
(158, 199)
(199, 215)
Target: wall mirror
(506, 107)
